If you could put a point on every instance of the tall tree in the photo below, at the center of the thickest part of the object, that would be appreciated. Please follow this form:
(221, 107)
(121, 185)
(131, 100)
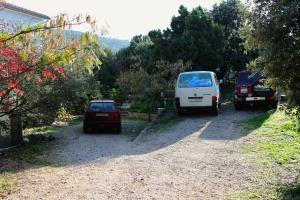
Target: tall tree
(276, 32)
(231, 15)
(195, 37)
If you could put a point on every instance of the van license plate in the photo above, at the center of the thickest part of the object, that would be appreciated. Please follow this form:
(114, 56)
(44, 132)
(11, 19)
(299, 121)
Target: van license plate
(195, 99)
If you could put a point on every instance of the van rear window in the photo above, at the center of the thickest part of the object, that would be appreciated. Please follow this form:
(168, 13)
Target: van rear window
(101, 106)
(195, 80)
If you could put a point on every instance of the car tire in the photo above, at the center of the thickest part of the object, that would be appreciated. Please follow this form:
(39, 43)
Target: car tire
(85, 129)
(118, 130)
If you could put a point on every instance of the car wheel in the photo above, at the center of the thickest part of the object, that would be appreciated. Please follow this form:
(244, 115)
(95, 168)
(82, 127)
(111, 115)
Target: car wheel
(85, 129)
(118, 130)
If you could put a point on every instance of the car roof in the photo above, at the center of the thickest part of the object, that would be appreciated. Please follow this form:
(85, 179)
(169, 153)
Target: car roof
(102, 101)
(193, 72)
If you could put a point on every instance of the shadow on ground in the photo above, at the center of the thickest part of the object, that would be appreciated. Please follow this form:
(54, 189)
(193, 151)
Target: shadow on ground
(76, 148)
(291, 192)
(5, 142)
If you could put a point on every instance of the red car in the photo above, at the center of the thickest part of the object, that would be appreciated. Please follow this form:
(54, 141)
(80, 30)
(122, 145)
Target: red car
(102, 115)
(250, 89)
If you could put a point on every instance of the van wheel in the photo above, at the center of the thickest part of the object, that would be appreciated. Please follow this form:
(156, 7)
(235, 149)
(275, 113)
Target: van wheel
(215, 111)
(180, 113)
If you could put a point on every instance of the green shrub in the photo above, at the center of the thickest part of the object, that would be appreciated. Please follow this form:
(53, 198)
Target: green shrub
(63, 115)
(140, 107)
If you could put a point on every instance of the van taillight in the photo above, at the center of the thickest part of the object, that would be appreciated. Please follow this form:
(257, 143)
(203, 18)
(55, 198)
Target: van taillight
(214, 99)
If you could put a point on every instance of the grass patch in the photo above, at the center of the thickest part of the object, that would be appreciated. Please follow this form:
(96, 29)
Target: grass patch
(32, 154)
(276, 145)
(166, 122)
(277, 137)
(289, 192)
(256, 194)
(5, 185)
(132, 128)
(46, 130)
(257, 122)
(36, 153)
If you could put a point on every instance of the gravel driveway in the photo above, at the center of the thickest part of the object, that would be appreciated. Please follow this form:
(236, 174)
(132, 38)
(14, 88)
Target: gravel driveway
(198, 158)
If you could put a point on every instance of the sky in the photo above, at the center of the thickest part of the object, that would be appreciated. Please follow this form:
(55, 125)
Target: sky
(122, 19)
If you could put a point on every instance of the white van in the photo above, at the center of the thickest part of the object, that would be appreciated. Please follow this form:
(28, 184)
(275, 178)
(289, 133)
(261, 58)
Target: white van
(197, 90)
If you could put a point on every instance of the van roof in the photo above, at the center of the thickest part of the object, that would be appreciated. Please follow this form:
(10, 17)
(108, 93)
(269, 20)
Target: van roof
(193, 72)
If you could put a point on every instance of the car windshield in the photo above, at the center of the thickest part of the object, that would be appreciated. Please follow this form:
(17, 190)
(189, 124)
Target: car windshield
(101, 106)
(195, 80)
(249, 78)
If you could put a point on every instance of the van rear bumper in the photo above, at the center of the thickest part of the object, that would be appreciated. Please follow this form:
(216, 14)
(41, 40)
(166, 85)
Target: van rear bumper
(189, 108)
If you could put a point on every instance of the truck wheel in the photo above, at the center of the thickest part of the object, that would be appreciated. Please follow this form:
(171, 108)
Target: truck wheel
(237, 106)
(274, 105)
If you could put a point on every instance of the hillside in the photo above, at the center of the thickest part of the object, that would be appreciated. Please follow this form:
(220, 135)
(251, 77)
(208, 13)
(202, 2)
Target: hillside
(113, 44)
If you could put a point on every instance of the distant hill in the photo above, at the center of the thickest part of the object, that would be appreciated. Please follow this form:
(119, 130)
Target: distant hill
(113, 44)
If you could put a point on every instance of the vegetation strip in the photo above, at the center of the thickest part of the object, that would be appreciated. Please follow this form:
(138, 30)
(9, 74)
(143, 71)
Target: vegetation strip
(275, 143)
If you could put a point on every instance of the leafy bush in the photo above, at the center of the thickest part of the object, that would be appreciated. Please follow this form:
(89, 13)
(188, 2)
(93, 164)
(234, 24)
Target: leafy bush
(63, 115)
(31, 120)
(140, 107)
(138, 84)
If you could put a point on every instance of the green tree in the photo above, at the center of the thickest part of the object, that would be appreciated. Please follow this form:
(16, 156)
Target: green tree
(194, 37)
(231, 15)
(276, 32)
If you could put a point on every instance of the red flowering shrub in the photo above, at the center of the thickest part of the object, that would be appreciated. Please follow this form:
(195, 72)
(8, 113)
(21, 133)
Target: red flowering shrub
(14, 71)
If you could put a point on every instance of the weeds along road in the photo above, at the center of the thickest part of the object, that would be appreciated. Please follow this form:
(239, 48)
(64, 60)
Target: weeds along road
(198, 158)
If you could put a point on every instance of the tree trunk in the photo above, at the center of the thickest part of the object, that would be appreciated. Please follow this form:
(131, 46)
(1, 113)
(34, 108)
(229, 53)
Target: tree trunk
(16, 130)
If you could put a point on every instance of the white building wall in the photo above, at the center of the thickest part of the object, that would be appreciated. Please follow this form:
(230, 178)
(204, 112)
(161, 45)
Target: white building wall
(17, 18)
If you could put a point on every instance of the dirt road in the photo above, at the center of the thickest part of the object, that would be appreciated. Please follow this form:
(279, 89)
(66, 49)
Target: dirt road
(198, 158)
